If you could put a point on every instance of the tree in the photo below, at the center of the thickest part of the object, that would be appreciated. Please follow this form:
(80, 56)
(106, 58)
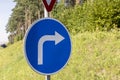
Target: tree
(24, 14)
(69, 2)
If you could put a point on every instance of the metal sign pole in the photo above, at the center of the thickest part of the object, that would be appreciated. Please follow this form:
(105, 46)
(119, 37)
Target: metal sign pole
(47, 77)
(46, 14)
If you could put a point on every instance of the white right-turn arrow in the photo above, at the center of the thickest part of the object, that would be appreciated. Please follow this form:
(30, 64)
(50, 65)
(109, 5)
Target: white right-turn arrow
(57, 38)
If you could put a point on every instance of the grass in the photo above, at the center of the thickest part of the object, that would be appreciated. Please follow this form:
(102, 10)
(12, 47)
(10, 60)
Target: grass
(95, 56)
(0, 47)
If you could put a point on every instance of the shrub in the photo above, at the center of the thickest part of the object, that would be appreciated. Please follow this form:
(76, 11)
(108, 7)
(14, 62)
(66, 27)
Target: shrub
(91, 16)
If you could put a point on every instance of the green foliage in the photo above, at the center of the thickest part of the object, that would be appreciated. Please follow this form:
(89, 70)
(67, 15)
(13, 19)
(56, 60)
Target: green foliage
(91, 16)
(24, 13)
(18, 37)
(106, 14)
(95, 56)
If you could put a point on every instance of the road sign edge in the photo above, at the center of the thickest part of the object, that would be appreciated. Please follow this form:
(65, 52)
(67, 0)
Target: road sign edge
(48, 7)
(24, 41)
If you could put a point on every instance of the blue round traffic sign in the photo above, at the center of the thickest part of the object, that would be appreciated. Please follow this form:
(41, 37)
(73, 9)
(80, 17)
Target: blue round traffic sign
(47, 46)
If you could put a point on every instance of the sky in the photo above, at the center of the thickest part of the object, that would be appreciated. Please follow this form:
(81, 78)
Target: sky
(6, 7)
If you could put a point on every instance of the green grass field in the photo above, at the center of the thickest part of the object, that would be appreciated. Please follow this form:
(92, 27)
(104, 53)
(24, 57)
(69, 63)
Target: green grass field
(95, 56)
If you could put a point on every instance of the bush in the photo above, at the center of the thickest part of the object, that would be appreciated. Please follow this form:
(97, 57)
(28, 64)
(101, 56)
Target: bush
(106, 14)
(18, 37)
(91, 16)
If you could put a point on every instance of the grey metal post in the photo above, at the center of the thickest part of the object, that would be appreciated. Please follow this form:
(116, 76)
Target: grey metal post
(47, 77)
(46, 14)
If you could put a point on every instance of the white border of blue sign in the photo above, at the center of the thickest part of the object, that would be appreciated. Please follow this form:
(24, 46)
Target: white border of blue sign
(25, 49)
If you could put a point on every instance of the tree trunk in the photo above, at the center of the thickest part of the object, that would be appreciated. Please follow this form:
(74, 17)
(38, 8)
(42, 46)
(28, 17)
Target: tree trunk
(26, 19)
